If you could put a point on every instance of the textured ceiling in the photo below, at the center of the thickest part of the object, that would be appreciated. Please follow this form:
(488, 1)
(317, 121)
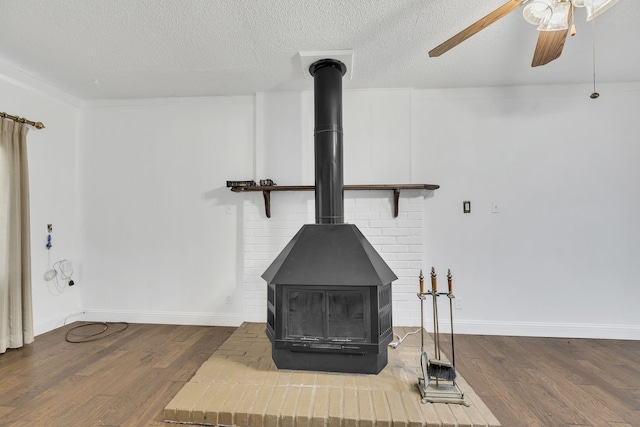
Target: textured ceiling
(103, 49)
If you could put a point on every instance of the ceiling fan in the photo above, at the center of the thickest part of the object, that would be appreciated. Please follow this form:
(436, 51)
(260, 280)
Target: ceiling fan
(553, 18)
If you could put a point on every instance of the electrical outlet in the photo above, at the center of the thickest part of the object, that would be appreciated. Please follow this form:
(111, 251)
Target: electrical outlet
(229, 299)
(459, 303)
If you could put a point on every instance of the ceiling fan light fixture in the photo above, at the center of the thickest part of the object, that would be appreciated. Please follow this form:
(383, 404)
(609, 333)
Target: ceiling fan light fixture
(559, 19)
(597, 7)
(538, 11)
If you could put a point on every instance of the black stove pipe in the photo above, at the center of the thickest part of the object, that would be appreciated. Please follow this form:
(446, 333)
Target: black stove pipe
(329, 177)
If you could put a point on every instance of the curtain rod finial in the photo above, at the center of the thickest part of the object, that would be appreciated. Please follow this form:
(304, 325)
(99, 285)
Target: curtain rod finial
(39, 125)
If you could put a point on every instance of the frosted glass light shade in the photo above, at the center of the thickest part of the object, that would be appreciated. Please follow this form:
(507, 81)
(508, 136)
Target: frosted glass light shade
(559, 19)
(538, 11)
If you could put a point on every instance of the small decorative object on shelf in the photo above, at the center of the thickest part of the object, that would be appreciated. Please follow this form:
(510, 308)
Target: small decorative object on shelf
(267, 183)
(250, 183)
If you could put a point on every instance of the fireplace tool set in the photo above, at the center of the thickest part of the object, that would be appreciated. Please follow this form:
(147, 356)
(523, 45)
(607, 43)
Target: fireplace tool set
(438, 382)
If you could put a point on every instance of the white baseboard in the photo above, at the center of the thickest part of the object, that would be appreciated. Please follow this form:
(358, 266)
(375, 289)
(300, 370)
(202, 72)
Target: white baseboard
(47, 325)
(164, 317)
(540, 329)
(133, 316)
(471, 327)
(554, 330)
(256, 317)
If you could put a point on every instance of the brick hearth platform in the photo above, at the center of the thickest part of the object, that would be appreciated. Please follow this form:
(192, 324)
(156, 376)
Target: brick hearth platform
(239, 385)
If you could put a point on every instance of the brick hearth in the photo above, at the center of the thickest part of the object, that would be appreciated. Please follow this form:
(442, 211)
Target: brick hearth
(239, 385)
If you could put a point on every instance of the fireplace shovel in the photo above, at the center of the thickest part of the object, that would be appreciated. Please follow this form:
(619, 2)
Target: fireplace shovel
(437, 384)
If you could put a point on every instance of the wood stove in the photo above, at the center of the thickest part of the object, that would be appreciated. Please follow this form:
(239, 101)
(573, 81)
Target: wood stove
(329, 291)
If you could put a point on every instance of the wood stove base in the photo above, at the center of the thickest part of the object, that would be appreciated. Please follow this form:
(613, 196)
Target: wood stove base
(370, 363)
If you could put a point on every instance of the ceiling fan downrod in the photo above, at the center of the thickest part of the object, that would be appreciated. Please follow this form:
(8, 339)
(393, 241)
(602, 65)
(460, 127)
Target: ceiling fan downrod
(594, 95)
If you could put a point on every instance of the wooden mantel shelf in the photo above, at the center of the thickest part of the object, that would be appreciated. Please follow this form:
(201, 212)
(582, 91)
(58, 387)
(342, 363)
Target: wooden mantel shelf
(266, 191)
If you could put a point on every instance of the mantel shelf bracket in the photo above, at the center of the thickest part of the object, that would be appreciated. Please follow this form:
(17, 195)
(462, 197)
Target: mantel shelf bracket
(266, 191)
(267, 202)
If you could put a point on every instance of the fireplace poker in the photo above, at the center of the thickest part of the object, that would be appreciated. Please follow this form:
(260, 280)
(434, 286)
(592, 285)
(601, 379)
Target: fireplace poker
(451, 297)
(438, 368)
(424, 360)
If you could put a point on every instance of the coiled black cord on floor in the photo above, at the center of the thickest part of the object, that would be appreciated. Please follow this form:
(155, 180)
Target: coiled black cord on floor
(73, 337)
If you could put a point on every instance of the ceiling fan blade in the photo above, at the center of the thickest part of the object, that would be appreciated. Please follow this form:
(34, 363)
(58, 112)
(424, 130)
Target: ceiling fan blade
(472, 29)
(550, 44)
(597, 8)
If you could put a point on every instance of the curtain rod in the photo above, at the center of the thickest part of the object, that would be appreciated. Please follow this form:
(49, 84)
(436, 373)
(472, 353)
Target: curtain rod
(37, 125)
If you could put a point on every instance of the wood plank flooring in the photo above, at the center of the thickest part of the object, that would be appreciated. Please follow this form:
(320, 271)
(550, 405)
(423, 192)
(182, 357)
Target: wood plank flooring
(547, 382)
(127, 379)
(123, 380)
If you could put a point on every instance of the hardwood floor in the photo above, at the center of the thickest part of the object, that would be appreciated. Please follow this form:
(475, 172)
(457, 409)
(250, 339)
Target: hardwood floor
(123, 380)
(127, 379)
(548, 382)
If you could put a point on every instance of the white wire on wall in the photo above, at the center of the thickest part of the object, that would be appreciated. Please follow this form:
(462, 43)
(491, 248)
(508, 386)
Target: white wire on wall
(59, 276)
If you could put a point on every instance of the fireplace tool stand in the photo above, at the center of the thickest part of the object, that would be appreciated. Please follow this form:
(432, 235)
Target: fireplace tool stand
(438, 382)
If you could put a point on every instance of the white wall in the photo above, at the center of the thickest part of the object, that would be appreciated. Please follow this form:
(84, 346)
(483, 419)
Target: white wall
(158, 238)
(52, 179)
(377, 137)
(560, 258)
(160, 230)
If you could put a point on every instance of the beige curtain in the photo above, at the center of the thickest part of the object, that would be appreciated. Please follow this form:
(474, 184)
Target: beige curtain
(16, 313)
